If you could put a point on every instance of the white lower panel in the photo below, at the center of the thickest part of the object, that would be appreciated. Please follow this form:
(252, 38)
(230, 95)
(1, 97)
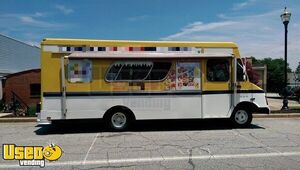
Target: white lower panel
(150, 107)
(144, 107)
(216, 105)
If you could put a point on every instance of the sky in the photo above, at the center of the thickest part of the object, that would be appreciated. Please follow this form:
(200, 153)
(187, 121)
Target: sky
(255, 25)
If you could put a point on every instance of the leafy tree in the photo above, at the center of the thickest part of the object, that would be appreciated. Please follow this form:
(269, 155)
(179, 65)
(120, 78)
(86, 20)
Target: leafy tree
(298, 69)
(275, 73)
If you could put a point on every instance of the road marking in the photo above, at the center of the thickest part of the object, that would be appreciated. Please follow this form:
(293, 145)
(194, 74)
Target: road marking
(87, 154)
(159, 159)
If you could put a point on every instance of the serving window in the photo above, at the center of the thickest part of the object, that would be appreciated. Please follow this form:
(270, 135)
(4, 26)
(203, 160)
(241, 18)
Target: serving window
(138, 71)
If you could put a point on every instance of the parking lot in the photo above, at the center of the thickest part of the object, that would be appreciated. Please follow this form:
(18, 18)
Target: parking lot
(204, 144)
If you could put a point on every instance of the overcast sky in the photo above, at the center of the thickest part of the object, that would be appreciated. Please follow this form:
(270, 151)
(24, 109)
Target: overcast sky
(254, 24)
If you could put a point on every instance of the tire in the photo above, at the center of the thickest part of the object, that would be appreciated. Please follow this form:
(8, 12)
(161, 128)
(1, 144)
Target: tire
(118, 120)
(241, 118)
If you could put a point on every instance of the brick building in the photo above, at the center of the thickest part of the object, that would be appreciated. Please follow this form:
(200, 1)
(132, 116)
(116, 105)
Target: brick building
(23, 86)
(18, 72)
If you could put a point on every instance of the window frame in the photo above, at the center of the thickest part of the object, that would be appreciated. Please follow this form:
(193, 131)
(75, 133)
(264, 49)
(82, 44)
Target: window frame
(216, 81)
(145, 79)
(243, 71)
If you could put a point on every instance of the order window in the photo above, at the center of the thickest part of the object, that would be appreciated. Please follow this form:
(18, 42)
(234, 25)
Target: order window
(138, 71)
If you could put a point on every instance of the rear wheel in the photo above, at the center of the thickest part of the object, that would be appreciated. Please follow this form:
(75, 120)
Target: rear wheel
(241, 117)
(118, 120)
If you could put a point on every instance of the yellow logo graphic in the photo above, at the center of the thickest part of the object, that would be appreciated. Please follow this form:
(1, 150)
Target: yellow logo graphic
(31, 155)
(52, 152)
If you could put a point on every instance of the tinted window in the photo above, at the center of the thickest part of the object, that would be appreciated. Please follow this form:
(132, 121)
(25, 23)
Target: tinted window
(113, 72)
(159, 71)
(137, 71)
(217, 70)
(134, 71)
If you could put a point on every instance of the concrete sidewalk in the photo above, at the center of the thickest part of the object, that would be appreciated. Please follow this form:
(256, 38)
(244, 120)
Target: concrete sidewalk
(5, 114)
(275, 104)
(17, 119)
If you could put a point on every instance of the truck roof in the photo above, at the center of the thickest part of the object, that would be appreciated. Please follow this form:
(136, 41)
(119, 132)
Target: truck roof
(93, 42)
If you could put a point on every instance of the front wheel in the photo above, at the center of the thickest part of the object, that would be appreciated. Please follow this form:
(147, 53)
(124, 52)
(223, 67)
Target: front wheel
(241, 117)
(118, 120)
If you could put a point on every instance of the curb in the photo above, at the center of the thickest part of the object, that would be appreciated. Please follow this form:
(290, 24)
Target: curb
(277, 115)
(21, 119)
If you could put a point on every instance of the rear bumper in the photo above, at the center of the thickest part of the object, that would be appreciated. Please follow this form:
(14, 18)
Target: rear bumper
(41, 121)
(263, 110)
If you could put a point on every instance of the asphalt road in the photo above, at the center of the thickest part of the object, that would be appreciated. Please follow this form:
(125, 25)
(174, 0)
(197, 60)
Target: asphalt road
(205, 144)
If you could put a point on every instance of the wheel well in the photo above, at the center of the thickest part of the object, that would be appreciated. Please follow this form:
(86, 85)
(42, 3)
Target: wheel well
(247, 105)
(119, 108)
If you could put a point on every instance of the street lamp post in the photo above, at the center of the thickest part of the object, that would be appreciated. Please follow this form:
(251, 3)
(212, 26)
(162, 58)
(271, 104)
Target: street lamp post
(285, 17)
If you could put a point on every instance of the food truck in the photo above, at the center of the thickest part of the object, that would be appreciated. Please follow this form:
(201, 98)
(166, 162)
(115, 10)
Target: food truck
(124, 81)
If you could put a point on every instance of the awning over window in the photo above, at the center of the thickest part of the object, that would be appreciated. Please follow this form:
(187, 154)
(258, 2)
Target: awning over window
(138, 55)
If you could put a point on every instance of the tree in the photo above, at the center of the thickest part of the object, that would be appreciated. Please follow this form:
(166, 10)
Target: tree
(275, 75)
(298, 69)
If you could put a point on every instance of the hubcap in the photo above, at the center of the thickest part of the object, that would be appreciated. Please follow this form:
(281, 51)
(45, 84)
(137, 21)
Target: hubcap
(241, 116)
(118, 120)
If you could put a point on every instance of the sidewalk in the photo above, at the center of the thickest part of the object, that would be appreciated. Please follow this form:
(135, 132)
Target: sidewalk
(273, 95)
(5, 114)
(275, 105)
(17, 119)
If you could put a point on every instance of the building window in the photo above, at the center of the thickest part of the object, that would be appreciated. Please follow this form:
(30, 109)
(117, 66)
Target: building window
(138, 71)
(80, 71)
(35, 89)
(217, 70)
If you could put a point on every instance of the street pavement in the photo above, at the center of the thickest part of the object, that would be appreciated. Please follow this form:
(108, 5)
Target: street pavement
(202, 144)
